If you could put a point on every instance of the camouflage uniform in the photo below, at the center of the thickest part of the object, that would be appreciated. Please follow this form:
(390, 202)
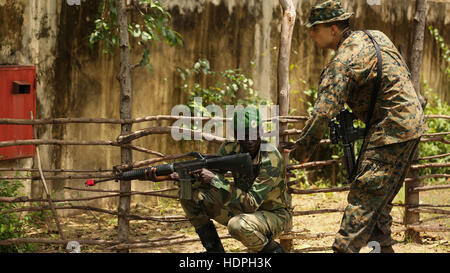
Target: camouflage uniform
(397, 124)
(254, 217)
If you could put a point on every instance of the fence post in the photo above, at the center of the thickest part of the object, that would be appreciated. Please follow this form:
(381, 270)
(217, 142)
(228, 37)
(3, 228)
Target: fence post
(412, 199)
(287, 28)
(124, 78)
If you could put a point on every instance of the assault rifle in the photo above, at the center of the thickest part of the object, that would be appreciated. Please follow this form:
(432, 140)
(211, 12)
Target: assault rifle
(345, 132)
(237, 163)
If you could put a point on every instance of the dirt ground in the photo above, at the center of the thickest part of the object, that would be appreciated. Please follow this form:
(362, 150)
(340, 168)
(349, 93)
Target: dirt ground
(104, 227)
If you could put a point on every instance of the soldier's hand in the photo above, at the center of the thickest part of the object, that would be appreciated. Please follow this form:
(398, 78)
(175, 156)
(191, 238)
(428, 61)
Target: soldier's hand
(174, 176)
(205, 176)
(151, 175)
(287, 146)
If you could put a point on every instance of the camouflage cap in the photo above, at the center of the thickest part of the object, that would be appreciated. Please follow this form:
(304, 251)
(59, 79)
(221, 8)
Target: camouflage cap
(326, 12)
(245, 118)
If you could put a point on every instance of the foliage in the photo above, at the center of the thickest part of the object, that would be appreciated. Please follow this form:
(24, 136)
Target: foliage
(155, 27)
(435, 107)
(445, 51)
(230, 87)
(12, 225)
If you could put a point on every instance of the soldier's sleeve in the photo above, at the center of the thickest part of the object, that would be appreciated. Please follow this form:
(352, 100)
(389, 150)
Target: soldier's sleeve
(219, 181)
(335, 82)
(270, 175)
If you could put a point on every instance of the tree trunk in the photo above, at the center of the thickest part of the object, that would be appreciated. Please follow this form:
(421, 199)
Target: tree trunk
(417, 48)
(412, 197)
(287, 29)
(124, 78)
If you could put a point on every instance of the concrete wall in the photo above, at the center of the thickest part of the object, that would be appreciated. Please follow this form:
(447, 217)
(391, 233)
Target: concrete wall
(77, 81)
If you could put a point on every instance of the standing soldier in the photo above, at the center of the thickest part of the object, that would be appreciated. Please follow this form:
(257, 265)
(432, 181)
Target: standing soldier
(394, 124)
(255, 210)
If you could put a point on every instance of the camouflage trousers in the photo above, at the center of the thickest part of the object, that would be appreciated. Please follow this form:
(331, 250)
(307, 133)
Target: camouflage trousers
(379, 178)
(253, 230)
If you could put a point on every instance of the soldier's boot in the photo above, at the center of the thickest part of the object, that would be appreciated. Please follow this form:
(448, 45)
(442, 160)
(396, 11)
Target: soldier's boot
(209, 238)
(272, 247)
(387, 249)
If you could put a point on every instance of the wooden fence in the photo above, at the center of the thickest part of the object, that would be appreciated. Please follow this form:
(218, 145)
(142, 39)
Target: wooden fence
(124, 141)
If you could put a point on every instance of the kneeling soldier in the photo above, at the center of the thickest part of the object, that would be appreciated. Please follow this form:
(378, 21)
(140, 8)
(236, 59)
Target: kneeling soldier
(255, 210)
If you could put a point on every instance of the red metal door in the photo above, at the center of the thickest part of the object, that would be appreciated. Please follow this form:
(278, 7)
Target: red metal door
(17, 100)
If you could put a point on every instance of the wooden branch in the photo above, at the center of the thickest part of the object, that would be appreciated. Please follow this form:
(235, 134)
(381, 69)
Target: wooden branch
(75, 142)
(430, 165)
(434, 218)
(313, 164)
(52, 142)
(58, 177)
(430, 210)
(436, 134)
(429, 188)
(297, 191)
(44, 183)
(420, 205)
(163, 244)
(129, 216)
(320, 211)
(426, 177)
(166, 130)
(433, 157)
(148, 162)
(304, 235)
(437, 116)
(438, 139)
(81, 241)
(53, 171)
(313, 249)
(113, 191)
(421, 228)
(56, 121)
(26, 199)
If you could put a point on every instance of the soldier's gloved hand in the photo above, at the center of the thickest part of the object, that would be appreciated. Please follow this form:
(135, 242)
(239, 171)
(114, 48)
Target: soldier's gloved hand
(205, 176)
(287, 146)
(151, 175)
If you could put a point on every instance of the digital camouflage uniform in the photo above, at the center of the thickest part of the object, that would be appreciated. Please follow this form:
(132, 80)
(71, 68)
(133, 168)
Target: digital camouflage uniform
(254, 217)
(397, 124)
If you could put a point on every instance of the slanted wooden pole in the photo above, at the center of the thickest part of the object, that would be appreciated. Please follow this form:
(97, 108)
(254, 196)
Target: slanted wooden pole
(124, 77)
(44, 183)
(287, 29)
(412, 197)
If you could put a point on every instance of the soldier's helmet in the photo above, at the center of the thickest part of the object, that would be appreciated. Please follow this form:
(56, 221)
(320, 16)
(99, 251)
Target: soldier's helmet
(327, 12)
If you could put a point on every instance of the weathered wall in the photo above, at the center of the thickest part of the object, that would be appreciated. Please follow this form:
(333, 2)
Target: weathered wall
(28, 35)
(77, 81)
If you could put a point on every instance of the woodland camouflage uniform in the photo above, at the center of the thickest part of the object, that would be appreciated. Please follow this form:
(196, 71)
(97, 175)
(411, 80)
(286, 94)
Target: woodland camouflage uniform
(254, 216)
(397, 124)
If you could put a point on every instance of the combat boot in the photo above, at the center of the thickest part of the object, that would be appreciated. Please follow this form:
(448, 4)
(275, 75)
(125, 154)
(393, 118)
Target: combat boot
(272, 247)
(209, 238)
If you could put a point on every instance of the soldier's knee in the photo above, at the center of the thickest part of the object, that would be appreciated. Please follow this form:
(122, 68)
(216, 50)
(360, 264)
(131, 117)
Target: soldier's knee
(237, 226)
